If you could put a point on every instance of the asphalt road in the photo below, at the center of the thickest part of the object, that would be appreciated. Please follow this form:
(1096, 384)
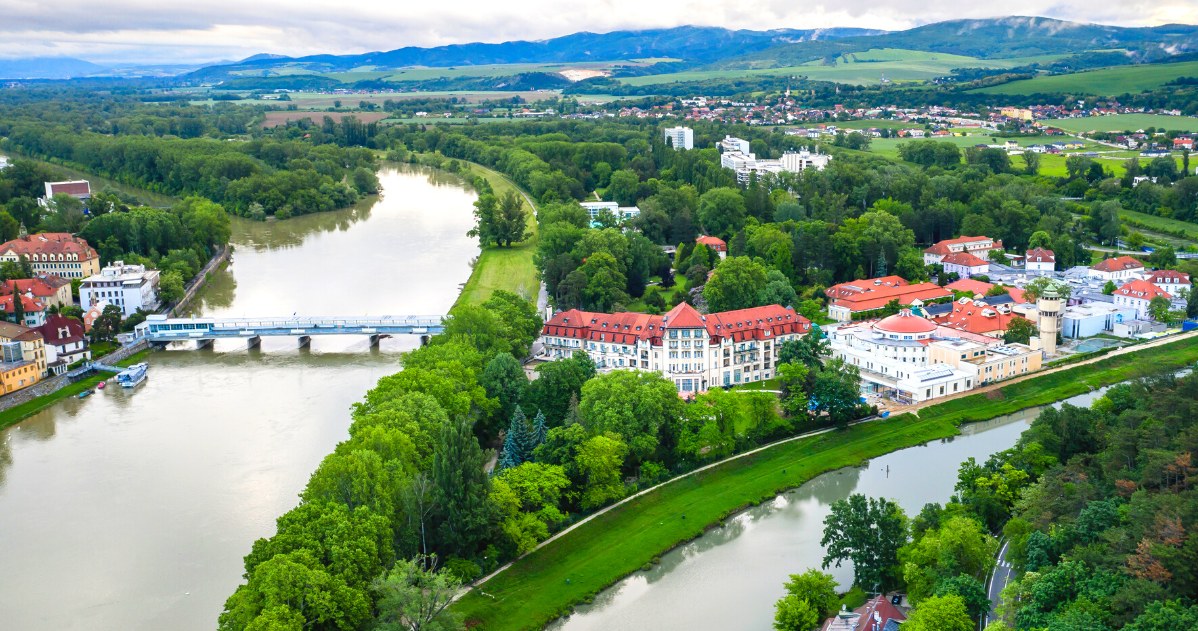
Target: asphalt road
(999, 577)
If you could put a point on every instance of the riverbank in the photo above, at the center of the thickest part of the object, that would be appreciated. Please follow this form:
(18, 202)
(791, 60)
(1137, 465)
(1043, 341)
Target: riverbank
(575, 565)
(510, 269)
(22, 411)
(197, 283)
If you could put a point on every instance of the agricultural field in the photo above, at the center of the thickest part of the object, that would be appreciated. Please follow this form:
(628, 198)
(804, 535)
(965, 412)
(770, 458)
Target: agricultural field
(1123, 122)
(863, 68)
(274, 119)
(888, 147)
(1102, 82)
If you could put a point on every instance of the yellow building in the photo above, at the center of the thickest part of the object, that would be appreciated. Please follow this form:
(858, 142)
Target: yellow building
(1016, 112)
(58, 253)
(32, 346)
(17, 375)
(992, 362)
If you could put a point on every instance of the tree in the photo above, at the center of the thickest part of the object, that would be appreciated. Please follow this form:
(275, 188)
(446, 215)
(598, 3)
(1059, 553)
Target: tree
(599, 460)
(736, 284)
(959, 546)
(365, 181)
(868, 532)
(1192, 303)
(1039, 285)
(107, 325)
(540, 430)
(806, 350)
(793, 378)
(1158, 308)
(1031, 162)
(462, 487)
(837, 391)
(18, 307)
(1109, 288)
(415, 596)
(632, 404)
(558, 383)
(722, 211)
(295, 587)
(792, 613)
(777, 290)
(517, 444)
(939, 613)
(817, 588)
(505, 381)
(1019, 331)
(170, 287)
(527, 498)
(605, 283)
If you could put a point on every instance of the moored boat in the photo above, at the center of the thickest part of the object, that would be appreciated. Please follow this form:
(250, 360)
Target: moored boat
(133, 375)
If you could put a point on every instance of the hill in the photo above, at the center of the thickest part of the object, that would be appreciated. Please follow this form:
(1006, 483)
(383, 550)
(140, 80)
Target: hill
(995, 38)
(47, 68)
(1101, 82)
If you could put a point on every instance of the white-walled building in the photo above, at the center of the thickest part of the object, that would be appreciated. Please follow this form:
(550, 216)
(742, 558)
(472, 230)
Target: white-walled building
(1173, 282)
(621, 213)
(680, 138)
(697, 352)
(965, 264)
(1093, 318)
(977, 246)
(732, 144)
(1040, 261)
(130, 287)
(1118, 268)
(1138, 294)
(796, 161)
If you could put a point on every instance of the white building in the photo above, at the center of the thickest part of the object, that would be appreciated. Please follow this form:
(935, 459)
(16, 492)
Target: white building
(1093, 318)
(1040, 261)
(1118, 268)
(1138, 294)
(697, 352)
(130, 287)
(621, 213)
(748, 165)
(965, 264)
(977, 246)
(731, 144)
(796, 161)
(1172, 281)
(680, 138)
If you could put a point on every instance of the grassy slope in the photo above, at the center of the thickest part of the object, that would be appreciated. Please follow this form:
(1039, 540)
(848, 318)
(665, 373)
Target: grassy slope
(502, 268)
(1102, 82)
(1164, 224)
(1123, 122)
(21, 412)
(546, 583)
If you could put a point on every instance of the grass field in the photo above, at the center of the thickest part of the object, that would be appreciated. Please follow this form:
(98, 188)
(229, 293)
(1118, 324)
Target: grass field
(888, 147)
(1124, 122)
(274, 119)
(23, 411)
(1101, 82)
(511, 268)
(545, 584)
(1173, 227)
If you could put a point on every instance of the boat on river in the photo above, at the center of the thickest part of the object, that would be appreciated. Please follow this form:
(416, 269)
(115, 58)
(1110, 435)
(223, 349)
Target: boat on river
(86, 393)
(133, 376)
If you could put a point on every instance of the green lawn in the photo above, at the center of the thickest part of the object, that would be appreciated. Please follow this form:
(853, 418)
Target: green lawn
(21, 412)
(1174, 227)
(511, 268)
(545, 584)
(1124, 122)
(1102, 82)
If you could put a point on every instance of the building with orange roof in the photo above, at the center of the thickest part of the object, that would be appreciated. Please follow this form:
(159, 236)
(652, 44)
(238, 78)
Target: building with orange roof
(718, 245)
(48, 290)
(1117, 268)
(965, 264)
(975, 316)
(1138, 294)
(846, 305)
(695, 351)
(1040, 261)
(35, 312)
(975, 287)
(1171, 281)
(978, 246)
(58, 253)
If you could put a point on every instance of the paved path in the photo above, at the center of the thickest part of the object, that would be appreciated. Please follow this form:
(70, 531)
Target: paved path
(999, 577)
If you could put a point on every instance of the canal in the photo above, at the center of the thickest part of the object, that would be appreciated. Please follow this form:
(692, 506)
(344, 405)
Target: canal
(133, 510)
(730, 577)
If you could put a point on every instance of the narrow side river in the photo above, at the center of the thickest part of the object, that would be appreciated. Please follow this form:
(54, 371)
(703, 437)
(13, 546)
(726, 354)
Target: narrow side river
(730, 577)
(133, 509)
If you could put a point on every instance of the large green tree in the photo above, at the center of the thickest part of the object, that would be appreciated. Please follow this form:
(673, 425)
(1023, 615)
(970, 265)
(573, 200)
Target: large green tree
(461, 490)
(868, 532)
(736, 284)
(415, 597)
(722, 211)
(633, 404)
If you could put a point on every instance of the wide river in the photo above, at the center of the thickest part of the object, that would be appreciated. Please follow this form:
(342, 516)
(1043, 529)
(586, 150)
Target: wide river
(730, 577)
(133, 510)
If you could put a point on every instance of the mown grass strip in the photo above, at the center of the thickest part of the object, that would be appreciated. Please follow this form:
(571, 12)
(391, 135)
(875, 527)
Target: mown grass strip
(547, 583)
(510, 269)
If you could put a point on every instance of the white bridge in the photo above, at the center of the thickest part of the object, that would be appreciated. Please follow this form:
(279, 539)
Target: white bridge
(160, 330)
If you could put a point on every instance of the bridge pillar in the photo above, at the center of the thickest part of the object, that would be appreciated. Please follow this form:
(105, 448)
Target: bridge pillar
(374, 341)
(255, 341)
(305, 341)
(204, 344)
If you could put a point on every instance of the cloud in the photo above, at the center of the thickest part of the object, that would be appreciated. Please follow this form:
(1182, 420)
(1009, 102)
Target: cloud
(168, 31)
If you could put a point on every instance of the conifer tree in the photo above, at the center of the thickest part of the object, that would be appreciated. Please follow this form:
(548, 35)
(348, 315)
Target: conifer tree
(517, 445)
(539, 431)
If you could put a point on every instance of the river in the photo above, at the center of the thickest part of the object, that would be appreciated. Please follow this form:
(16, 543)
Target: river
(730, 577)
(133, 510)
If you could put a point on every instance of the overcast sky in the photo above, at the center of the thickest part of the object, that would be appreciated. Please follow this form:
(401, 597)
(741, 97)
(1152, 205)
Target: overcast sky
(168, 31)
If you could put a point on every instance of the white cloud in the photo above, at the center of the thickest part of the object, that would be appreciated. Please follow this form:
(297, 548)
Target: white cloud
(167, 30)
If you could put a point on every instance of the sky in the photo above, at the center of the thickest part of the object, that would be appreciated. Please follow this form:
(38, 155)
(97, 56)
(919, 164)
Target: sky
(169, 31)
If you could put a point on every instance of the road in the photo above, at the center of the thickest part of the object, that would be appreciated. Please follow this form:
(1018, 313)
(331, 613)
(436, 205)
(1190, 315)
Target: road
(999, 577)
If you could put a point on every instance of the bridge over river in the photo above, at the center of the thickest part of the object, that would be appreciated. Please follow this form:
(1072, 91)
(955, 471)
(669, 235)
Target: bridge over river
(160, 330)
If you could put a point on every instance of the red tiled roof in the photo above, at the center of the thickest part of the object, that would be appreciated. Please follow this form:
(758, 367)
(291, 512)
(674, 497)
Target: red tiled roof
(942, 247)
(26, 285)
(55, 324)
(714, 243)
(1168, 277)
(628, 328)
(50, 243)
(1015, 293)
(78, 188)
(1118, 264)
(964, 259)
(1141, 290)
(905, 322)
(878, 298)
(28, 303)
(976, 317)
(1040, 255)
(683, 316)
(850, 288)
(975, 287)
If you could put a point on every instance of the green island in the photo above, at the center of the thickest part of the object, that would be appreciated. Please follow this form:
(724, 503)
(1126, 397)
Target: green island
(546, 584)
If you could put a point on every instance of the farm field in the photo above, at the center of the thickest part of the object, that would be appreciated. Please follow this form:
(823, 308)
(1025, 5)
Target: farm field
(888, 147)
(1123, 122)
(1102, 82)
(1163, 224)
(274, 119)
(868, 67)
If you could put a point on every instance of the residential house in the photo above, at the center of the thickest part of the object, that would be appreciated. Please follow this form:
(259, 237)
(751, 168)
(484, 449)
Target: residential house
(1172, 281)
(965, 264)
(877, 614)
(79, 189)
(130, 287)
(977, 246)
(1138, 294)
(58, 253)
(696, 352)
(1040, 261)
(977, 317)
(48, 290)
(1117, 268)
(34, 311)
(853, 299)
(716, 244)
(65, 342)
(32, 346)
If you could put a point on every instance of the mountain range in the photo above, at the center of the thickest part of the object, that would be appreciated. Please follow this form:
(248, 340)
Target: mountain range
(694, 46)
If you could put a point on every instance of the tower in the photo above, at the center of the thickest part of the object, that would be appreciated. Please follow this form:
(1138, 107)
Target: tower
(1049, 306)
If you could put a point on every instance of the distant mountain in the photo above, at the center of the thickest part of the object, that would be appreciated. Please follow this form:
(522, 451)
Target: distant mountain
(991, 39)
(694, 44)
(46, 68)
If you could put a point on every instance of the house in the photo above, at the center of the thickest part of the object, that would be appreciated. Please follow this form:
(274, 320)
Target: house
(1183, 143)
(79, 189)
(34, 311)
(50, 291)
(977, 246)
(1171, 281)
(65, 342)
(977, 317)
(716, 244)
(964, 264)
(870, 297)
(852, 288)
(130, 287)
(680, 138)
(697, 352)
(1118, 268)
(1040, 261)
(980, 289)
(1138, 294)
(31, 346)
(58, 253)
(877, 614)
(92, 313)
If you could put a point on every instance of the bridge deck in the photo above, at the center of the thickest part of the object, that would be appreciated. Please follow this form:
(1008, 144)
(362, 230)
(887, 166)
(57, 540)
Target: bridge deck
(163, 329)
